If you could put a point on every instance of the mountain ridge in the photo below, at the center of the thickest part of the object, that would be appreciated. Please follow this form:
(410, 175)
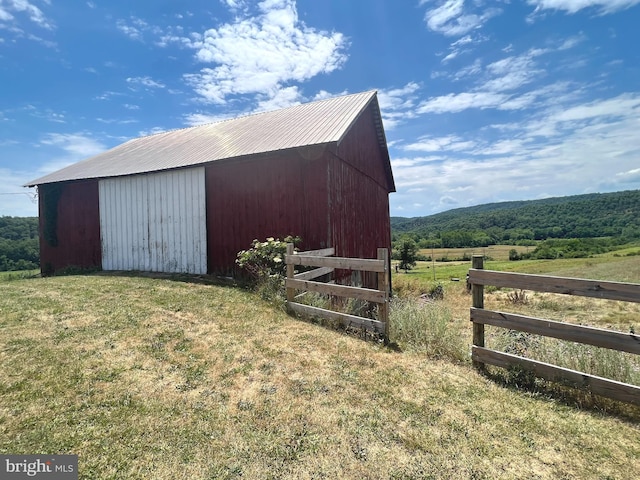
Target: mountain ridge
(576, 216)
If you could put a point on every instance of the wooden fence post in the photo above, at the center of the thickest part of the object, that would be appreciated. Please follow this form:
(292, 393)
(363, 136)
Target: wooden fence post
(383, 285)
(291, 293)
(477, 293)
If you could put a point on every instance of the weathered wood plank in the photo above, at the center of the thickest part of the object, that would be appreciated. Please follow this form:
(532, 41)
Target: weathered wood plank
(367, 265)
(290, 292)
(383, 286)
(346, 319)
(367, 294)
(598, 385)
(477, 295)
(599, 337)
(311, 274)
(628, 292)
(323, 252)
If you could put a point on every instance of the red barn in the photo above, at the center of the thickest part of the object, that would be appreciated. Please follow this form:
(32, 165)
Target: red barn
(188, 200)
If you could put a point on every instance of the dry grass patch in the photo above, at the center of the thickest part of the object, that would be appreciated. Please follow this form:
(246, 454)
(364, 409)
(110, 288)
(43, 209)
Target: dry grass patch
(153, 378)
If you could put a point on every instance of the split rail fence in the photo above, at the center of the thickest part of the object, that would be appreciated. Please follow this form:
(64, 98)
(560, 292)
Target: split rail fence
(326, 264)
(628, 292)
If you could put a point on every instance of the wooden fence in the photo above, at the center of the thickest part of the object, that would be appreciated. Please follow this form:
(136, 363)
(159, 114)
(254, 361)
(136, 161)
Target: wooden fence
(624, 342)
(326, 264)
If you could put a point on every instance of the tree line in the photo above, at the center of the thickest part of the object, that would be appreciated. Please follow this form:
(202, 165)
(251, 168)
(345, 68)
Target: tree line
(19, 246)
(527, 222)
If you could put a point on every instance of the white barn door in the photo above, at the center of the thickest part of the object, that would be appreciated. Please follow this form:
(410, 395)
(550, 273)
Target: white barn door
(154, 222)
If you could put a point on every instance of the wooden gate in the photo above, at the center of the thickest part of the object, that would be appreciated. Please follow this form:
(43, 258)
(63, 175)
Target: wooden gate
(326, 264)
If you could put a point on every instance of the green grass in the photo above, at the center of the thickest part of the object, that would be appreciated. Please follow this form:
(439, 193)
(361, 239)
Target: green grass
(18, 275)
(162, 378)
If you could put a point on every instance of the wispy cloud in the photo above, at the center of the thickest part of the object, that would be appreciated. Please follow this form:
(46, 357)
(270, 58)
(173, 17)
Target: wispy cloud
(135, 28)
(398, 105)
(457, 102)
(11, 9)
(592, 146)
(573, 6)
(454, 18)
(145, 81)
(449, 143)
(75, 145)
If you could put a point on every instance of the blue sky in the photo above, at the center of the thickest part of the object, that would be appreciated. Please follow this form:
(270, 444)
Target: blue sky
(482, 101)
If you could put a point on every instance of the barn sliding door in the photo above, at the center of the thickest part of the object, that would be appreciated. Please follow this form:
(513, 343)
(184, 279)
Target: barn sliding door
(154, 222)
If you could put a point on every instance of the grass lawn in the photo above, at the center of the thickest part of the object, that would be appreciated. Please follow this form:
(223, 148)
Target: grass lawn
(163, 378)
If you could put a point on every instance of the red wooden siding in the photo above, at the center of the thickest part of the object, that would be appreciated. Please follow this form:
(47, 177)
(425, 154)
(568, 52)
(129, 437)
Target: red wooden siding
(360, 148)
(271, 196)
(359, 195)
(329, 198)
(77, 226)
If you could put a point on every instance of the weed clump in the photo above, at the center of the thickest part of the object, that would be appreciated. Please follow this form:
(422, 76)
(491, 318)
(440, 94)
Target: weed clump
(426, 327)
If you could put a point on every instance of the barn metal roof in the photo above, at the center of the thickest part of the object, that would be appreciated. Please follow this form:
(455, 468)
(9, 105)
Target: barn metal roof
(320, 122)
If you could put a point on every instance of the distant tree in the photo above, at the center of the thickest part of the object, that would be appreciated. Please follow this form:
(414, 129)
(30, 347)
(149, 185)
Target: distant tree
(407, 253)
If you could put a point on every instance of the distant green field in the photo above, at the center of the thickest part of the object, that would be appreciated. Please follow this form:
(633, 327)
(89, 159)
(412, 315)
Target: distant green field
(17, 275)
(497, 252)
(621, 265)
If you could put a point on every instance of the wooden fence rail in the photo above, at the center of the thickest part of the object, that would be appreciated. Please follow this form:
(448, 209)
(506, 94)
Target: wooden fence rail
(305, 281)
(624, 342)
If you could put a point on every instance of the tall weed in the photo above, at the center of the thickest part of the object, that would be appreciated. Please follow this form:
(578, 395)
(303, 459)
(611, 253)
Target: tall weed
(427, 327)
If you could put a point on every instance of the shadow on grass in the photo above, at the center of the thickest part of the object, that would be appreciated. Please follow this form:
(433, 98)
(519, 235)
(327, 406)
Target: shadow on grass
(526, 383)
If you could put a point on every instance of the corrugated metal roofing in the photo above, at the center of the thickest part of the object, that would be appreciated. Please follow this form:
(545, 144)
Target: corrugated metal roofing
(321, 122)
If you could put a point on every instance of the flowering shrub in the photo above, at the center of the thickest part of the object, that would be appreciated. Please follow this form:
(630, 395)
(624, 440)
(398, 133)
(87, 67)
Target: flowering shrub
(265, 259)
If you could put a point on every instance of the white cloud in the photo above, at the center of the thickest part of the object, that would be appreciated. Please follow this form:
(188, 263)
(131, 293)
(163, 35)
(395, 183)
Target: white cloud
(76, 145)
(151, 131)
(323, 95)
(129, 30)
(261, 55)
(145, 82)
(195, 119)
(285, 97)
(470, 70)
(452, 19)
(457, 102)
(573, 41)
(9, 8)
(117, 121)
(462, 45)
(449, 143)
(574, 6)
(631, 176)
(501, 85)
(512, 72)
(135, 28)
(564, 149)
(398, 104)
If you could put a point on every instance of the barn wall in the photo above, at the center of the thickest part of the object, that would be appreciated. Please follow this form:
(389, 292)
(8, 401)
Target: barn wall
(154, 222)
(69, 226)
(360, 222)
(359, 194)
(270, 196)
(360, 148)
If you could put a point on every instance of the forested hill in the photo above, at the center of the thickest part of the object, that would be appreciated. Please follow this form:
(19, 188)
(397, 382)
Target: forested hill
(19, 249)
(581, 216)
